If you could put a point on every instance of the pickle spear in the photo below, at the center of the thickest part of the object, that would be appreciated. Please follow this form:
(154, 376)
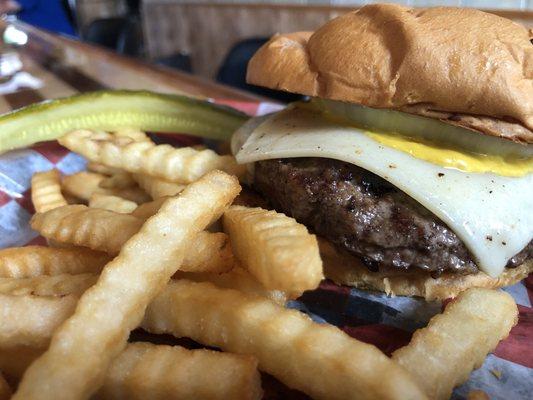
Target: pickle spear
(112, 109)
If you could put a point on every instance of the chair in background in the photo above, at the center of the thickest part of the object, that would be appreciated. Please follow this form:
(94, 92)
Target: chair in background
(177, 61)
(121, 34)
(233, 70)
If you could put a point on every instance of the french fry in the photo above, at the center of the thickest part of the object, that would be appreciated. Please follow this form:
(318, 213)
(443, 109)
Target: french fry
(133, 134)
(318, 359)
(107, 231)
(156, 187)
(209, 252)
(5, 390)
(146, 210)
(80, 225)
(112, 203)
(57, 285)
(145, 370)
(31, 320)
(84, 184)
(148, 371)
(83, 347)
(182, 165)
(32, 261)
(278, 251)
(102, 169)
(120, 180)
(238, 279)
(442, 355)
(46, 191)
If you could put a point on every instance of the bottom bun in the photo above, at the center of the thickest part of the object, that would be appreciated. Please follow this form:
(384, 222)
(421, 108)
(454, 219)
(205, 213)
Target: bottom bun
(345, 269)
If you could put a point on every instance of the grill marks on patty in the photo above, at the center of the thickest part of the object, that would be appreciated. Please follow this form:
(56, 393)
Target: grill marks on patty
(364, 214)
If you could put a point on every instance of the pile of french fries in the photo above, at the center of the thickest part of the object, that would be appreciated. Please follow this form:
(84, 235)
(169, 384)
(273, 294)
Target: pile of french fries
(157, 237)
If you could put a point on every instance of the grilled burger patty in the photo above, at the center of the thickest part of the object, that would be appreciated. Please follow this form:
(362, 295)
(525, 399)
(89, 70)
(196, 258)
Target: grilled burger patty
(364, 214)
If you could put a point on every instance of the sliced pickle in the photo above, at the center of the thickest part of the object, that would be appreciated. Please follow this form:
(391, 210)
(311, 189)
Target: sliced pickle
(110, 110)
(421, 128)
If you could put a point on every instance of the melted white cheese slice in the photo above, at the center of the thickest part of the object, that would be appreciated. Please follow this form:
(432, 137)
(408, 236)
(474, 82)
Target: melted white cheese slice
(492, 214)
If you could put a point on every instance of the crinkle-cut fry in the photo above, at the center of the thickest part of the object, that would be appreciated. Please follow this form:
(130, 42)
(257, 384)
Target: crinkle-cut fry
(442, 355)
(80, 225)
(278, 251)
(146, 210)
(238, 279)
(82, 184)
(5, 390)
(182, 165)
(318, 359)
(46, 191)
(83, 347)
(149, 371)
(102, 169)
(157, 187)
(108, 231)
(209, 252)
(120, 180)
(32, 261)
(56, 285)
(112, 203)
(31, 320)
(131, 133)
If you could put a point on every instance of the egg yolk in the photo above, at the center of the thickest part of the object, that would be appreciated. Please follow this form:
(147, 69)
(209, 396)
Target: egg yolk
(448, 156)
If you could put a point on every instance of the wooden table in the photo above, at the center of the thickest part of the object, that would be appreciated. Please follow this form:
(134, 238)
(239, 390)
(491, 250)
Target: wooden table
(66, 67)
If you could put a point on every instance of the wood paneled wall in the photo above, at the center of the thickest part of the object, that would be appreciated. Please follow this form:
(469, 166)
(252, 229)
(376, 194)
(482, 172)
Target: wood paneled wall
(206, 31)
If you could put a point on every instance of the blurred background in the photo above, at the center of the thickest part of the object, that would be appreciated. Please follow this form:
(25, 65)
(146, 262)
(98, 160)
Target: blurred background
(213, 39)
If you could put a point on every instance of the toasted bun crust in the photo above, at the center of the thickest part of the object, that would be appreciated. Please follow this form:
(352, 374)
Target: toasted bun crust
(389, 56)
(345, 269)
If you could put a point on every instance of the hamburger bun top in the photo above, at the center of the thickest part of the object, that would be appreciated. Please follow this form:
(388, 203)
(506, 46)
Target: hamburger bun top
(447, 60)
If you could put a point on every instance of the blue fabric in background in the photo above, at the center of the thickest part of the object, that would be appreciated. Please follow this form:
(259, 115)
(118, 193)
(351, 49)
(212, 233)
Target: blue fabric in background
(46, 14)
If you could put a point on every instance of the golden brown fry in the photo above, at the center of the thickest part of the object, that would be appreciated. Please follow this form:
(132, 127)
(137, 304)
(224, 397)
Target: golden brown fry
(5, 390)
(31, 320)
(102, 169)
(80, 225)
(81, 185)
(146, 210)
(83, 347)
(274, 248)
(238, 279)
(32, 261)
(84, 184)
(112, 203)
(182, 165)
(107, 231)
(57, 285)
(317, 359)
(46, 191)
(209, 252)
(120, 180)
(134, 134)
(148, 371)
(156, 187)
(442, 355)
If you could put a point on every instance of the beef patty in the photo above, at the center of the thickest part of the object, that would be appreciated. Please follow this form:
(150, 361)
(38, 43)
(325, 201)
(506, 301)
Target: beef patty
(364, 214)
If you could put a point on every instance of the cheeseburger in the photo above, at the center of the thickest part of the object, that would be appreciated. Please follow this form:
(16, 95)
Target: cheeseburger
(413, 158)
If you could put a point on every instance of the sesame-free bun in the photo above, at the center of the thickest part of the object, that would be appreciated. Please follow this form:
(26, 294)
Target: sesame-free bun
(345, 269)
(459, 61)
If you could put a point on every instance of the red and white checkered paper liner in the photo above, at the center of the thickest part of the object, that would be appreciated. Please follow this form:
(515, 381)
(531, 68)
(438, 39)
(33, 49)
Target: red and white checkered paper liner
(375, 318)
